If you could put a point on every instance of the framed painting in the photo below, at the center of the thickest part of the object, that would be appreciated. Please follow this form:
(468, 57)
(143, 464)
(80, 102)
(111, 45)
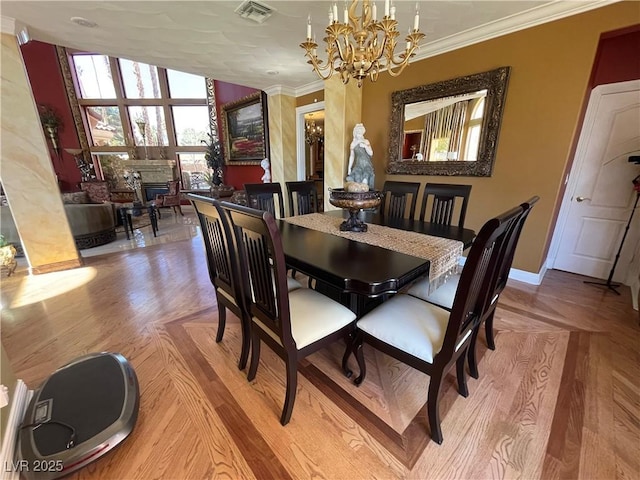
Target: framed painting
(245, 130)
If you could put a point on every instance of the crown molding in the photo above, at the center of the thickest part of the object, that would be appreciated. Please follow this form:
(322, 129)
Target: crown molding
(310, 88)
(536, 16)
(8, 25)
(280, 90)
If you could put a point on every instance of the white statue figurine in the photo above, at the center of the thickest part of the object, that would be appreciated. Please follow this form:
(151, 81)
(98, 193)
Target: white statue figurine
(360, 165)
(266, 178)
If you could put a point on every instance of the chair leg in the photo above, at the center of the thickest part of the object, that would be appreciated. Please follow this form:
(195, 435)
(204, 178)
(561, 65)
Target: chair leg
(255, 356)
(347, 352)
(471, 355)
(357, 348)
(292, 386)
(488, 328)
(462, 376)
(433, 406)
(222, 321)
(246, 342)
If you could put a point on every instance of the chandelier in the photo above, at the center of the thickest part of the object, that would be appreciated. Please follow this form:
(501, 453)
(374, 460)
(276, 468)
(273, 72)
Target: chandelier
(312, 132)
(360, 47)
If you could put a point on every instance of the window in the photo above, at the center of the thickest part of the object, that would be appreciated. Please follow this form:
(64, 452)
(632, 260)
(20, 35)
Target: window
(135, 110)
(473, 132)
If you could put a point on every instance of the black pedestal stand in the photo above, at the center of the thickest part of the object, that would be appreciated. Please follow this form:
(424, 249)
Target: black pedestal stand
(609, 284)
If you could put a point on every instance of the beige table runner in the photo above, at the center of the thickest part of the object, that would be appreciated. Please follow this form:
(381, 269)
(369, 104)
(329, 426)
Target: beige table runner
(443, 253)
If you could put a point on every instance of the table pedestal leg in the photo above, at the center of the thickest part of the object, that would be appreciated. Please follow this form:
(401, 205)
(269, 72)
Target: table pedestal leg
(154, 219)
(126, 221)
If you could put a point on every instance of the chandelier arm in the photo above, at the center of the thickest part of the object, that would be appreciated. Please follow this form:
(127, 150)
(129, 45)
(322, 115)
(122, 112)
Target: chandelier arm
(355, 49)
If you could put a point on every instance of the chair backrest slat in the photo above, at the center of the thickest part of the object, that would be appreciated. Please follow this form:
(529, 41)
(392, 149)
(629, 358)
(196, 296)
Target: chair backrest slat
(263, 268)
(397, 195)
(262, 196)
(220, 250)
(510, 246)
(306, 197)
(475, 280)
(443, 199)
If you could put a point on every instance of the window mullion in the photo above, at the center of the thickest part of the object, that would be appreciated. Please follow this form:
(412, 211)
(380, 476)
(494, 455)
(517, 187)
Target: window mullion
(124, 113)
(168, 113)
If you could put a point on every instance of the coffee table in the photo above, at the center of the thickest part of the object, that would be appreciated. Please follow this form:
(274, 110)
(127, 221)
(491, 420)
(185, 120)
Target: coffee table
(126, 212)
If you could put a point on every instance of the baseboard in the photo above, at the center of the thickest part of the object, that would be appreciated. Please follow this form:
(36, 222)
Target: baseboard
(21, 397)
(521, 275)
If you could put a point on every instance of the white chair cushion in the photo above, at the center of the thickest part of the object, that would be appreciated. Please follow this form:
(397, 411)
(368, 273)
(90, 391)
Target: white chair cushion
(293, 284)
(442, 296)
(409, 324)
(314, 316)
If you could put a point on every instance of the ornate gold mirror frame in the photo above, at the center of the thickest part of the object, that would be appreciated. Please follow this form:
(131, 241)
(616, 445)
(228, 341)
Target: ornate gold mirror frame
(494, 81)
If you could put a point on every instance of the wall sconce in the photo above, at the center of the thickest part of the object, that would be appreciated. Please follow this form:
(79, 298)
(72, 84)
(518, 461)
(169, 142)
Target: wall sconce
(51, 123)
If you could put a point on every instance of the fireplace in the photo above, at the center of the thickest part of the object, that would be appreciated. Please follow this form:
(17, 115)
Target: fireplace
(151, 189)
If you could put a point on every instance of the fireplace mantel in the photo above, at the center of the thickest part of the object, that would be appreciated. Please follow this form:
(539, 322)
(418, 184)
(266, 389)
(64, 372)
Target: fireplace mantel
(153, 171)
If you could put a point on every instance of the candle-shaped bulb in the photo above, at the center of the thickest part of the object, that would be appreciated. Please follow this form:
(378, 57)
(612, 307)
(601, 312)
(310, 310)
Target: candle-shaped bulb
(330, 15)
(408, 46)
(386, 8)
(309, 27)
(393, 13)
(416, 19)
(374, 12)
(346, 14)
(335, 12)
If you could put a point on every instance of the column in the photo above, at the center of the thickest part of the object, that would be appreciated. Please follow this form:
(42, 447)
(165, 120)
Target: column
(27, 175)
(343, 109)
(282, 139)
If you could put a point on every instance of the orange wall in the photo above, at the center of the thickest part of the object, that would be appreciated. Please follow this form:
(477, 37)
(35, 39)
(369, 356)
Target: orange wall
(550, 69)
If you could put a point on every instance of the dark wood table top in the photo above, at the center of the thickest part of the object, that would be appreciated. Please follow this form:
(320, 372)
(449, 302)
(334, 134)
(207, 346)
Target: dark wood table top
(356, 267)
(464, 235)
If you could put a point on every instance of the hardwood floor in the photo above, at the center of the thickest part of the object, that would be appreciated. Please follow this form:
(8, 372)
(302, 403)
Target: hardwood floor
(558, 398)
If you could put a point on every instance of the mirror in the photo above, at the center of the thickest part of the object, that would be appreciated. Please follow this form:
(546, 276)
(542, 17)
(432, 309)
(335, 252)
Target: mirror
(449, 127)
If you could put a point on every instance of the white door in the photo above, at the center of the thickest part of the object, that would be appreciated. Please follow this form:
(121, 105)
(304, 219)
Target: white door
(600, 195)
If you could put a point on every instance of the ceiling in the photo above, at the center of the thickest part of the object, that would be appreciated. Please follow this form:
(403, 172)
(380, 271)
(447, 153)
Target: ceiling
(208, 38)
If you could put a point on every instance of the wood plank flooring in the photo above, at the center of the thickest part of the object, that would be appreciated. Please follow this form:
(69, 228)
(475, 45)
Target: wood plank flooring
(559, 398)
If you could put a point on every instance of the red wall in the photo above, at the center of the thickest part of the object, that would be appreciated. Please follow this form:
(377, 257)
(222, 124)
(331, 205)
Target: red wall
(618, 57)
(236, 175)
(43, 69)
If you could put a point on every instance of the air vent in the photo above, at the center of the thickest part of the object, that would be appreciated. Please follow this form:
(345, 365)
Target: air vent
(258, 12)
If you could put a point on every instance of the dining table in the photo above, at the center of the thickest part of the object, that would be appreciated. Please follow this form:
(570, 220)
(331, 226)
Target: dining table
(358, 274)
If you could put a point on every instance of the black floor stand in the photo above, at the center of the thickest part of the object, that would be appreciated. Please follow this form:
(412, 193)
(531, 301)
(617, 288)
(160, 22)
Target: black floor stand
(609, 284)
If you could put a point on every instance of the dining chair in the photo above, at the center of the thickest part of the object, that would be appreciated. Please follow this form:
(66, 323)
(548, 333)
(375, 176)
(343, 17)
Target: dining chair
(443, 198)
(171, 199)
(429, 338)
(293, 324)
(224, 268)
(306, 197)
(444, 295)
(396, 196)
(262, 196)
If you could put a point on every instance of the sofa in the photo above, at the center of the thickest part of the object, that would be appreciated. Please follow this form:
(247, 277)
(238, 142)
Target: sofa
(92, 224)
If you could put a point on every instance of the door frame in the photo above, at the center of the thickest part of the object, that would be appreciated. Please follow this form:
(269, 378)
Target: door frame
(578, 160)
(300, 113)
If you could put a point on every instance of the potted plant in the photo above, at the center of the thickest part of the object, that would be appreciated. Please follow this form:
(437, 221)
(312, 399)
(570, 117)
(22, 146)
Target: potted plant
(214, 159)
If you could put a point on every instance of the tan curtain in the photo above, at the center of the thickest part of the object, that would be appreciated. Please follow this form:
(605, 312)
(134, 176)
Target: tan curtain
(458, 118)
(445, 122)
(428, 136)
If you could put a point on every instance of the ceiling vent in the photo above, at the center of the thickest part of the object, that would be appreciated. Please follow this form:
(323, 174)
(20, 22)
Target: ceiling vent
(258, 12)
